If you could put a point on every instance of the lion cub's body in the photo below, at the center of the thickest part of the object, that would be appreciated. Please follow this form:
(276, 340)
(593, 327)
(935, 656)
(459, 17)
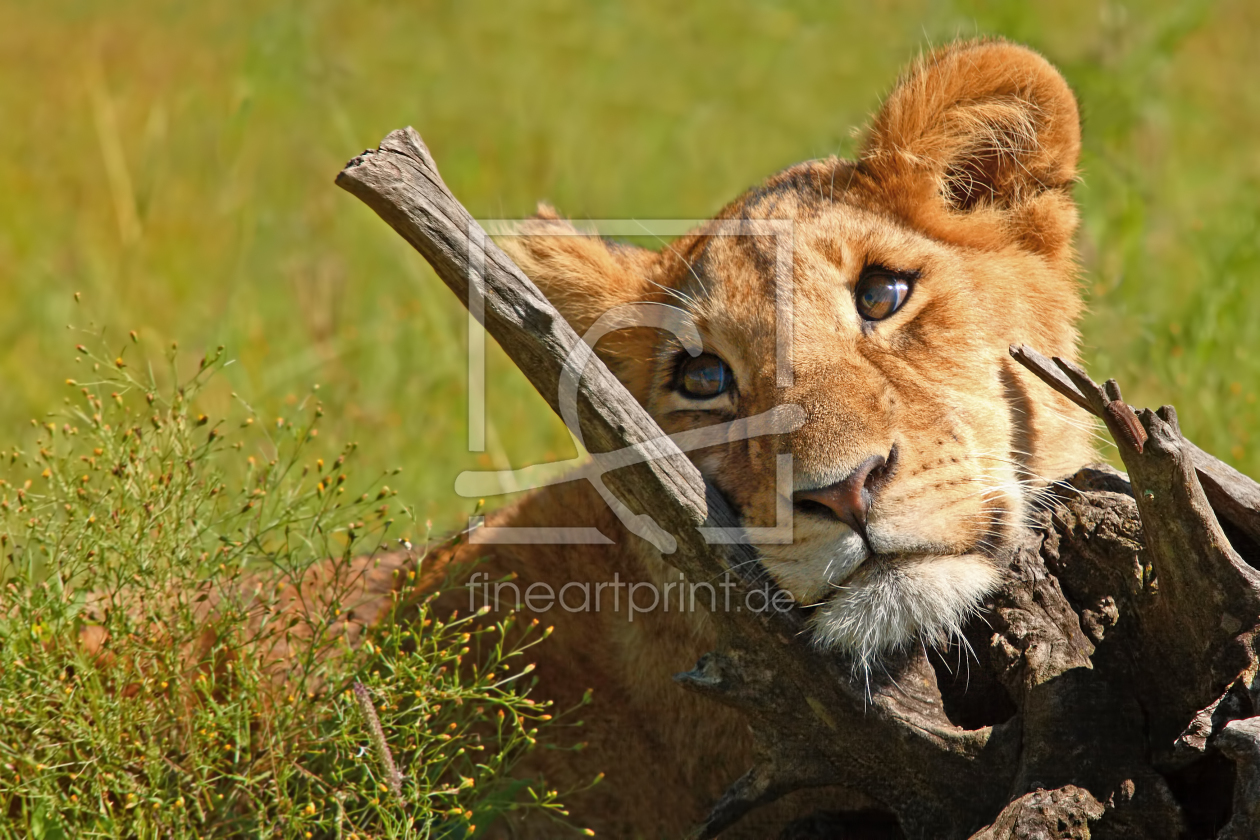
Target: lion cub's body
(962, 196)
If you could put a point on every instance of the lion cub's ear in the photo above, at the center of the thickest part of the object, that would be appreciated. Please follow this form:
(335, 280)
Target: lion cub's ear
(979, 143)
(584, 277)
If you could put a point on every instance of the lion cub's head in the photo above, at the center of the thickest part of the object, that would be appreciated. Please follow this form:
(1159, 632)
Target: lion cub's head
(909, 272)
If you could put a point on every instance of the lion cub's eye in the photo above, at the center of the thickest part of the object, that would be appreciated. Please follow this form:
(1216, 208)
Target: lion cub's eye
(880, 293)
(704, 377)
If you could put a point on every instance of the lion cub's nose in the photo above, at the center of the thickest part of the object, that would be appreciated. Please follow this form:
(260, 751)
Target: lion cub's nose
(849, 500)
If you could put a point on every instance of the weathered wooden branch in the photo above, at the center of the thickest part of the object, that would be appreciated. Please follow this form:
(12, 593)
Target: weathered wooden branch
(1234, 497)
(400, 182)
(1117, 665)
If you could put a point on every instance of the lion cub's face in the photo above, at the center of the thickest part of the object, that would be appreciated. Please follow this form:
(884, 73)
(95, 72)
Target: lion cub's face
(909, 272)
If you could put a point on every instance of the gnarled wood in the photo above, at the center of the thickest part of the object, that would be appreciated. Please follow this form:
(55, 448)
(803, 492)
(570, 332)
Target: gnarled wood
(1234, 497)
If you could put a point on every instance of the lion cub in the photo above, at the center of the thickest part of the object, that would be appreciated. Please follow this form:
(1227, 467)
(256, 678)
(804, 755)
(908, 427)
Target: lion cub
(910, 270)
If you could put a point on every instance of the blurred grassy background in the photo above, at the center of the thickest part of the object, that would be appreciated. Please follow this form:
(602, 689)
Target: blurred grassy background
(174, 163)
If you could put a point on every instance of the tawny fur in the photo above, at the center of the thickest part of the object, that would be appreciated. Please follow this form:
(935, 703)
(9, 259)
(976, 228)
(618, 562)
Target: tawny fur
(965, 178)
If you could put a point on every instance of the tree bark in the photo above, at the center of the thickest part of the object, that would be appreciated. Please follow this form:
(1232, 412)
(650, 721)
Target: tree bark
(1114, 678)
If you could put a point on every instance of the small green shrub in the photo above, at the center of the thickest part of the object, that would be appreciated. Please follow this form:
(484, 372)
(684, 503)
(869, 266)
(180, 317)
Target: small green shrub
(156, 677)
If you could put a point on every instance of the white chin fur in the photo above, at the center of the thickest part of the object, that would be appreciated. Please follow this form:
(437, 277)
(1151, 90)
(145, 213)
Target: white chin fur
(813, 578)
(890, 603)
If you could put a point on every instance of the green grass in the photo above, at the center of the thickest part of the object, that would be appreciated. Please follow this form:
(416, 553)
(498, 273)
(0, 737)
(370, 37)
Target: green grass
(164, 672)
(173, 162)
